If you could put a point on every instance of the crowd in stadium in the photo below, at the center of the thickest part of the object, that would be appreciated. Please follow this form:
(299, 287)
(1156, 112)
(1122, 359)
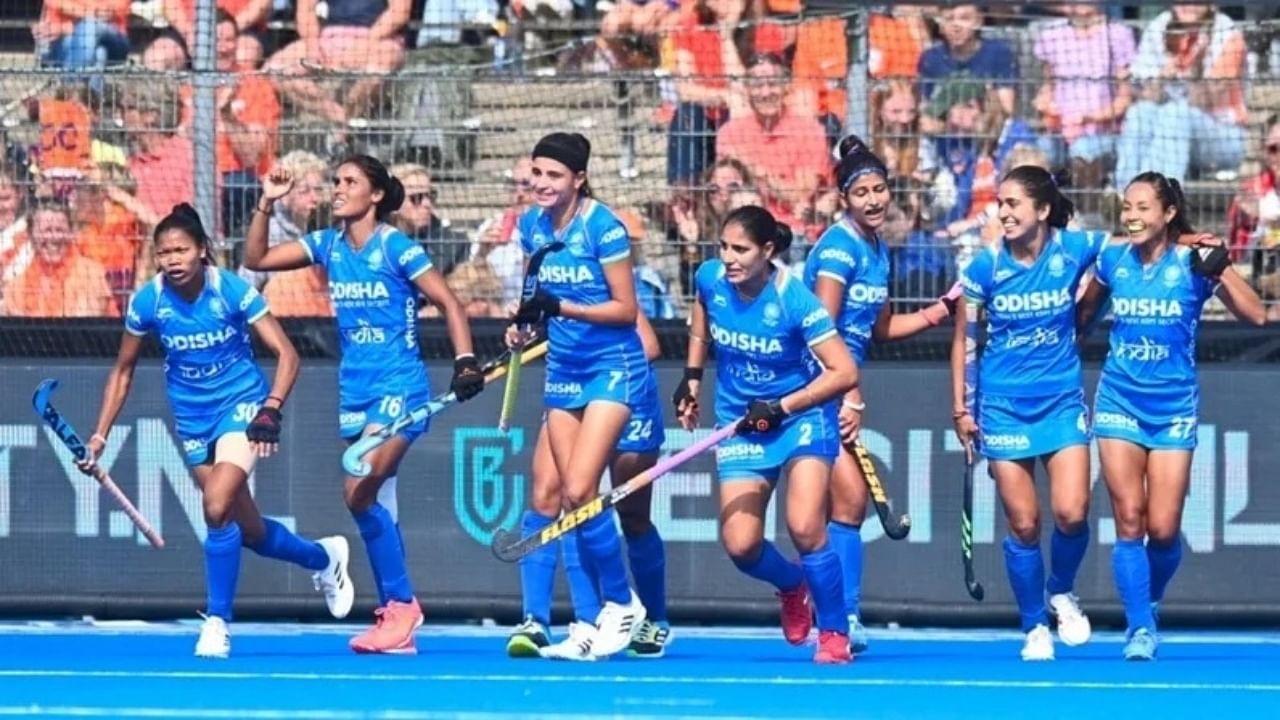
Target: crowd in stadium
(756, 94)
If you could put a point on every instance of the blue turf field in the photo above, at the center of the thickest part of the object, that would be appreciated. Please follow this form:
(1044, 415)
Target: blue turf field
(306, 671)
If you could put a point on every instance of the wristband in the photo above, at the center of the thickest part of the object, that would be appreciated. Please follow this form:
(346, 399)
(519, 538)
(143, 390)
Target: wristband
(856, 407)
(693, 373)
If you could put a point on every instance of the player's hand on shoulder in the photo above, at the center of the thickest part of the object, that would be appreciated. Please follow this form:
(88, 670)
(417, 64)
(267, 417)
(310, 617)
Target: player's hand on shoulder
(93, 449)
(264, 431)
(763, 416)
(467, 380)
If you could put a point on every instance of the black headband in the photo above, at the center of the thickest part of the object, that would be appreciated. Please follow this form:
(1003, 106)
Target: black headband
(571, 149)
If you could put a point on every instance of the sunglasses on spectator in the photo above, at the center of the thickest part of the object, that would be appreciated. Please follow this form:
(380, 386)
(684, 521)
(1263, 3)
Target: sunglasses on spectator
(418, 197)
(1273, 148)
(521, 184)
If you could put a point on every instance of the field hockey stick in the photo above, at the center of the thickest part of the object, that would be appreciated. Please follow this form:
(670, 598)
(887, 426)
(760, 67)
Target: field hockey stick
(895, 526)
(509, 392)
(353, 457)
(67, 434)
(507, 547)
(971, 331)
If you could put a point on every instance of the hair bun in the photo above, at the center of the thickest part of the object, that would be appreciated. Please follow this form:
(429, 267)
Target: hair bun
(847, 145)
(783, 239)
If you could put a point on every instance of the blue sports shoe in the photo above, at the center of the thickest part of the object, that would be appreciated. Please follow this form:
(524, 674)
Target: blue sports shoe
(1141, 646)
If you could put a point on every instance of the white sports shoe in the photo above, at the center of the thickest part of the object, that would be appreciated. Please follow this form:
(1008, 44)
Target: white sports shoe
(215, 639)
(577, 646)
(1073, 625)
(614, 626)
(1039, 644)
(334, 580)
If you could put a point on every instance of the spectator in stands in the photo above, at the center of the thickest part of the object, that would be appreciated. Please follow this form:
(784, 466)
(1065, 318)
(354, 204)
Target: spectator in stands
(172, 48)
(162, 161)
(15, 250)
(963, 50)
(417, 218)
(478, 288)
(1190, 115)
(786, 153)
(818, 48)
(497, 241)
(291, 215)
(1087, 90)
(697, 217)
(65, 150)
(364, 36)
(80, 34)
(59, 282)
(1254, 221)
(635, 22)
(895, 131)
(248, 121)
(706, 60)
(108, 233)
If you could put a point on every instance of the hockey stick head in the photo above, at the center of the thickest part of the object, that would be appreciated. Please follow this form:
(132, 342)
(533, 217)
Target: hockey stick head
(353, 457)
(42, 401)
(504, 545)
(535, 264)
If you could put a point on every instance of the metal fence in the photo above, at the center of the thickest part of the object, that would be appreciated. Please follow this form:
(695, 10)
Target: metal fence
(120, 145)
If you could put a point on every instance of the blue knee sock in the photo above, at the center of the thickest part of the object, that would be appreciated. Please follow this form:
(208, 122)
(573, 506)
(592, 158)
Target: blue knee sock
(1025, 566)
(648, 560)
(538, 569)
(280, 544)
(386, 555)
(1133, 583)
(222, 568)
(584, 586)
(1066, 552)
(601, 549)
(774, 569)
(1164, 560)
(846, 540)
(822, 572)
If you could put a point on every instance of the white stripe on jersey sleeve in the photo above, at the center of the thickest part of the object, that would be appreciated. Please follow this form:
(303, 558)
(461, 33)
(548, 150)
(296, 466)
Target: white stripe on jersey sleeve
(834, 276)
(823, 337)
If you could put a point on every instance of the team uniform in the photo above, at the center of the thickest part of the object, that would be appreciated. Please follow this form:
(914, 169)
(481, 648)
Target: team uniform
(644, 434)
(862, 267)
(1031, 402)
(761, 351)
(587, 363)
(761, 346)
(1148, 395)
(1032, 398)
(215, 388)
(380, 377)
(213, 383)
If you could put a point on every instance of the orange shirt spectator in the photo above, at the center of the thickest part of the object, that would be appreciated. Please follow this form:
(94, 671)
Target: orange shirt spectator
(59, 282)
(65, 140)
(785, 151)
(298, 293)
(252, 109)
(165, 174)
(113, 238)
